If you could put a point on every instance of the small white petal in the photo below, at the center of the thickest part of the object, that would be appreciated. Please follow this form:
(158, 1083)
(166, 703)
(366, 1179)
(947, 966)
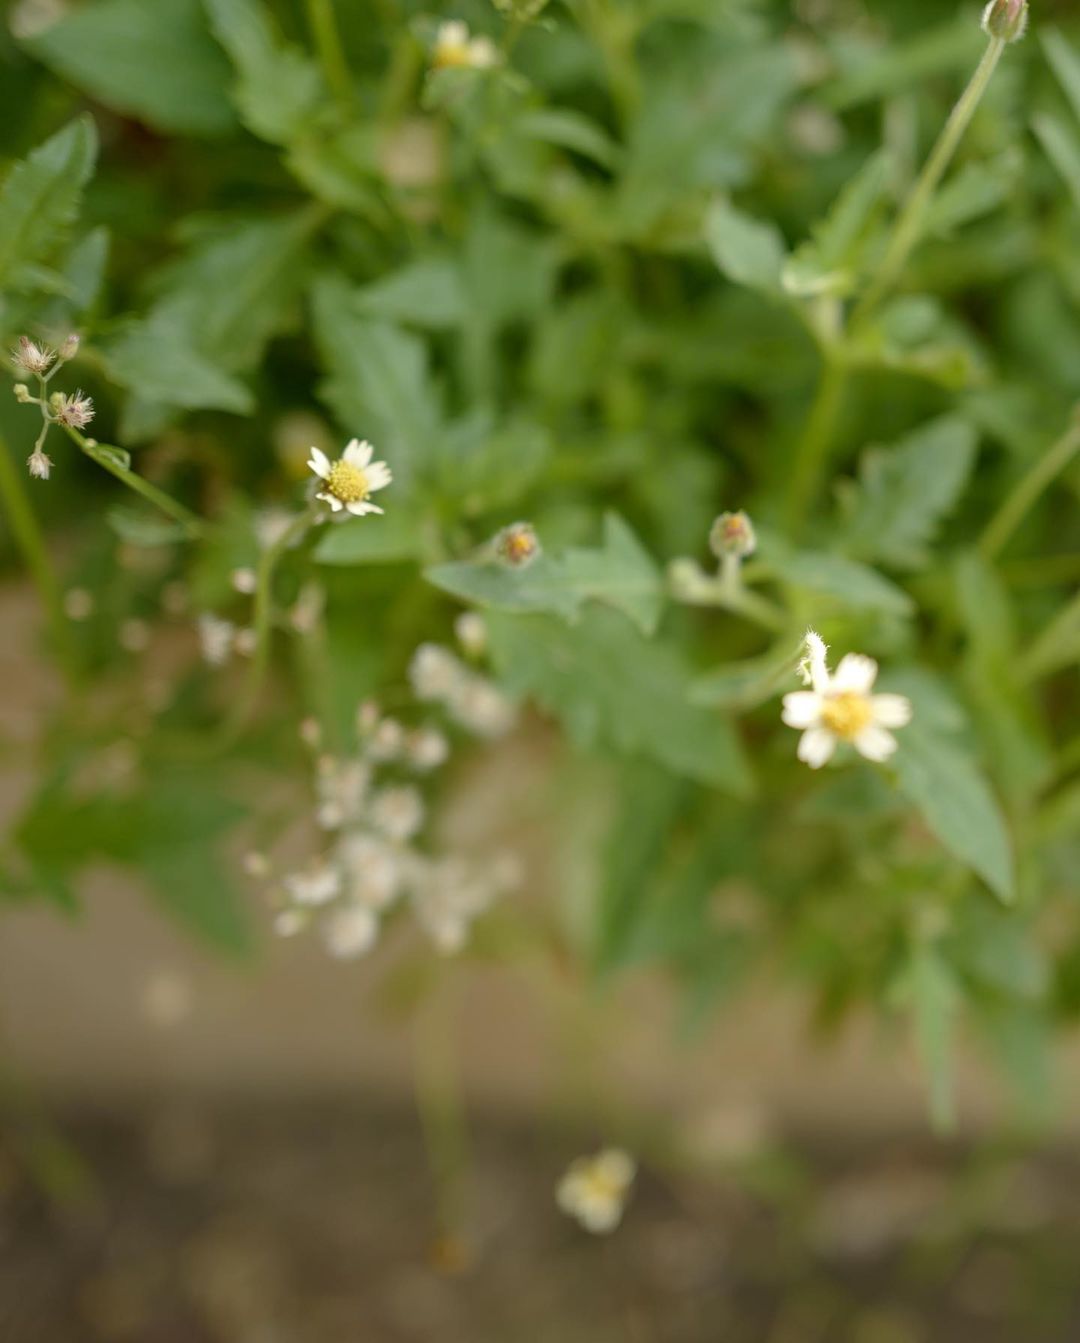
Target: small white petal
(875, 743)
(802, 708)
(358, 454)
(362, 507)
(816, 747)
(319, 463)
(891, 710)
(855, 674)
(378, 475)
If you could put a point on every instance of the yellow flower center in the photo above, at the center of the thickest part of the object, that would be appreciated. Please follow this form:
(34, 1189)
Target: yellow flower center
(847, 713)
(347, 483)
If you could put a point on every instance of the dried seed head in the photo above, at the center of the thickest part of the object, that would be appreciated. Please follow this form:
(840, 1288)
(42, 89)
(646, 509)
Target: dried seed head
(732, 534)
(39, 465)
(74, 412)
(1006, 19)
(518, 545)
(31, 359)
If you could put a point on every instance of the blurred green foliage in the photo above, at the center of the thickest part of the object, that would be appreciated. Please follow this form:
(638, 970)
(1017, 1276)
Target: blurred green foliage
(615, 283)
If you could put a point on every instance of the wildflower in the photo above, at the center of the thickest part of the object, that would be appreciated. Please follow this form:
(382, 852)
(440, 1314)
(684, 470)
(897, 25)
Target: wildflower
(482, 709)
(518, 545)
(732, 534)
(73, 412)
(350, 931)
(387, 741)
(471, 630)
(594, 1189)
(215, 639)
(352, 479)
(244, 581)
(31, 359)
(454, 48)
(448, 895)
(1007, 19)
(70, 348)
(426, 749)
(317, 886)
(39, 465)
(78, 604)
(398, 812)
(342, 788)
(372, 869)
(435, 673)
(840, 708)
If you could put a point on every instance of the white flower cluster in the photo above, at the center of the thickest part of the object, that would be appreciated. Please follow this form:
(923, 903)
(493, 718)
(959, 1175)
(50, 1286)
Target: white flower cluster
(371, 807)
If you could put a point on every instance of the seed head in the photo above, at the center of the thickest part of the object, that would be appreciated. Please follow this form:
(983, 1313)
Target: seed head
(39, 465)
(1006, 19)
(74, 412)
(31, 359)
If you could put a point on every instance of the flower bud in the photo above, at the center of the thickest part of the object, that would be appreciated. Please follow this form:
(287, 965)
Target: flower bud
(1006, 19)
(732, 534)
(22, 394)
(70, 347)
(518, 545)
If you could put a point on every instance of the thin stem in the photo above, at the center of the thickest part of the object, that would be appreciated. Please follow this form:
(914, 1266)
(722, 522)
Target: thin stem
(1026, 493)
(912, 217)
(263, 626)
(813, 449)
(327, 38)
(31, 544)
(442, 1119)
(1056, 647)
(109, 458)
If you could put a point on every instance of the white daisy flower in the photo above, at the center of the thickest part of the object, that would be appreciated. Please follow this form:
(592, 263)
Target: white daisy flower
(352, 479)
(594, 1190)
(349, 932)
(839, 707)
(455, 48)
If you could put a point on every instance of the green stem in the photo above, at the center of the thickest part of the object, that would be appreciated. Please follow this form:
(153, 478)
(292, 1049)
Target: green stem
(1056, 647)
(1026, 493)
(102, 454)
(813, 449)
(31, 544)
(263, 626)
(912, 217)
(327, 38)
(442, 1116)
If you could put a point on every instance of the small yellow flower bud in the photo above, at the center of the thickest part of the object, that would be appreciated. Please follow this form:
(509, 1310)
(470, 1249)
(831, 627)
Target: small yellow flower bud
(22, 394)
(518, 545)
(732, 534)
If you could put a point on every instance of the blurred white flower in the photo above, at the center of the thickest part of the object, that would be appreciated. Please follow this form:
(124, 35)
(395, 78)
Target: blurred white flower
(471, 630)
(342, 787)
(166, 998)
(215, 639)
(244, 580)
(78, 604)
(448, 895)
(426, 749)
(352, 479)
(350, 931)
(839, 707)
(387, 741)
(594, 1190)
(373, 870)
(398, 812)
(289, 922)
(435, 673)
(317, 886)
(454, 48)
(482, 709)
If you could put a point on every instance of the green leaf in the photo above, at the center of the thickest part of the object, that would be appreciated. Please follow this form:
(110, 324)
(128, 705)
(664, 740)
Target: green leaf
(608, 683)
(847, 582)
(398, 536)
(428, 293)
(40, 197)
(620, 572)
(905, 491)
(341, 169)
(143, 527)
(831, 261)
(977, 189)
(277, 86)
(1065, 63)
(377, 383)
(570, 130)
(1062, 147)
(939, 776)
(749, 251)
(155, 358)
(155, 62)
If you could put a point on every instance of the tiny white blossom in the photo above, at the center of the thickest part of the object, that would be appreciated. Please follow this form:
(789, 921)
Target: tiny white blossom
(387, 741)
(352, 479)
(317, 886)
(271, 524)
(39, 465)
(398, 812)
(74, 411)
(482, 709)
(427, 749)
(256, 864)
(594, 1190)
(448, 895)
(215, 639)
(289, 922)
(342, 788)
(350, 931)
(244, 580)
(839, 707)
(454, 48)
(435, 673)
(373, 870)
(471, 630)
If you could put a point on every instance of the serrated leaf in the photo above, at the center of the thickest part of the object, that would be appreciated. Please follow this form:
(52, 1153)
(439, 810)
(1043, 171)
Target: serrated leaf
(620, 572)
(905, 491)
(428, 293)
(397, 536)
(749, 251)
(609, 684)
(40, 196)
(153, 61)
(277, 85)
(940, 777)
(830, 262)
(847, 582)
